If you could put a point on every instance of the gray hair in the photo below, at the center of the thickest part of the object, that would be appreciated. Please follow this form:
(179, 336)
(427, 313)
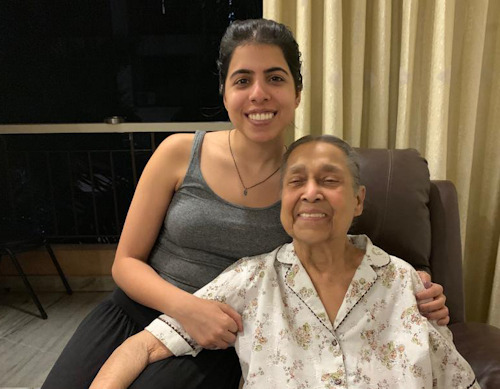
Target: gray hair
(351, 155)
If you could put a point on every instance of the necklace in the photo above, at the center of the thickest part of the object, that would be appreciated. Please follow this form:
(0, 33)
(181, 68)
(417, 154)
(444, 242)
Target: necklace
(246, 188)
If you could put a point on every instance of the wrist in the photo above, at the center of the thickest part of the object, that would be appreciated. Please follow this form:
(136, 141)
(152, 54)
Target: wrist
(181, 306)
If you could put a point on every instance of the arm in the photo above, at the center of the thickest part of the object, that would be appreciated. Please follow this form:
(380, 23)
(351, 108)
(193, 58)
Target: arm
(237, 285)
(431, 301)
(129, 360)
(163, 175)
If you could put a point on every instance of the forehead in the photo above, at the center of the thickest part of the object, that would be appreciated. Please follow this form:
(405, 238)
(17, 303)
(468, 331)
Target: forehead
(317, 155)
(255, 56)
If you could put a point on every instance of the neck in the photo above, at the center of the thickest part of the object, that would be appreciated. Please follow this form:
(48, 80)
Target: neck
(332, 260)
(260, 154)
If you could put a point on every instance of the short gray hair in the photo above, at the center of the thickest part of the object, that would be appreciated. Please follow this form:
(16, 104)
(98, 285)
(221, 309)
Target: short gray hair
(350, 153)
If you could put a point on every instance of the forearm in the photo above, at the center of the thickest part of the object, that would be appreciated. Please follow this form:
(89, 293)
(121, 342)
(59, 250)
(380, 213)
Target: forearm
(122, 367)
(142, 284)
(129, 360)
(209, 323)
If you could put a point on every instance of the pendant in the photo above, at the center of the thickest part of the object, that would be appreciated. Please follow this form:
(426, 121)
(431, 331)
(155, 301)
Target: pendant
(245, 192)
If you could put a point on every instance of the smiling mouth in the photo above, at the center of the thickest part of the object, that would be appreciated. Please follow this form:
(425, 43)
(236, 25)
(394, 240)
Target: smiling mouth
(261, 116)
(312, 215)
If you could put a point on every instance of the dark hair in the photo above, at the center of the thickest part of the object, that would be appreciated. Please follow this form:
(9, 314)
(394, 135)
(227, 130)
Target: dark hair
(350, 153)
(259, 31)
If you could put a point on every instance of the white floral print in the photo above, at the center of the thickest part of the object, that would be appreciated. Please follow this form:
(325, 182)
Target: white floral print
(378, 339)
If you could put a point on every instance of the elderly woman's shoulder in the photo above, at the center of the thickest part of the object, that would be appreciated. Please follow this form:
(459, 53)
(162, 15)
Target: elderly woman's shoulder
(256, 265)
(260, 259)
(401, 263)
(401, 271)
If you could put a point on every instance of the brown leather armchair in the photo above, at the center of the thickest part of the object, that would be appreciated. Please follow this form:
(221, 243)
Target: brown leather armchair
(417, 220)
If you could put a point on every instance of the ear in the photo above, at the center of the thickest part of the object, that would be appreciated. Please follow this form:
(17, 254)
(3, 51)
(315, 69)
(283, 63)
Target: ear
(360, 200)
(297, 98)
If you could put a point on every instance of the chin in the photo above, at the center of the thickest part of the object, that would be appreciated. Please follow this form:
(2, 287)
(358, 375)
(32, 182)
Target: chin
(310, 238)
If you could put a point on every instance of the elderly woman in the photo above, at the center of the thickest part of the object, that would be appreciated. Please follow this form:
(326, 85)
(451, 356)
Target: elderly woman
(325, 311)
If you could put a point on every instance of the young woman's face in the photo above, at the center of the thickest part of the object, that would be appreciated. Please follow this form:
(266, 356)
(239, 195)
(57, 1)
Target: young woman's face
(260, 95)
(318, 200)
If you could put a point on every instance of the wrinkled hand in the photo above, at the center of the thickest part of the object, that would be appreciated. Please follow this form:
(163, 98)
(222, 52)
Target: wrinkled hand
(431, 301)
(213, 325)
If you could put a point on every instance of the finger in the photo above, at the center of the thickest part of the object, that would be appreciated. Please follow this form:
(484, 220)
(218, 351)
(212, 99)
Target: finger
(433, 305)
(221, 345)
(434, 291)
(438, 315)
(424, 276)
(443, 322)
(233, 315)
(218, 340)
(229, 338)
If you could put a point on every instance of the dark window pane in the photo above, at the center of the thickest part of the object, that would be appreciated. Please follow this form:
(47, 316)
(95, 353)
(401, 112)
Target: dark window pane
(85, 60)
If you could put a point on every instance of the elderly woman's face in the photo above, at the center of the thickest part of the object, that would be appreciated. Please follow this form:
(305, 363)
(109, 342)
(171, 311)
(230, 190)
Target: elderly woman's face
(318, 198)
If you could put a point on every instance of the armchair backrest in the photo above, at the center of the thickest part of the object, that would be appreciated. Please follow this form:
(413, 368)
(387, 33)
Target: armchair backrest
(413, 218)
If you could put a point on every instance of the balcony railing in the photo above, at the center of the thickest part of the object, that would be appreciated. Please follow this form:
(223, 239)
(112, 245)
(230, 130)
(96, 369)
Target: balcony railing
(78, 187)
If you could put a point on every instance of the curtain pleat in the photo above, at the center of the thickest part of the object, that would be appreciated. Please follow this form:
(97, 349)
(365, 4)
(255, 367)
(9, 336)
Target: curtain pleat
(304, 26)
(420, 74)
(272, 10)
(437, 107)
(377, 102)
(407, 57)
(466, 82)
(494, 311)
(482, 233)
(332, 69)
(354, 26)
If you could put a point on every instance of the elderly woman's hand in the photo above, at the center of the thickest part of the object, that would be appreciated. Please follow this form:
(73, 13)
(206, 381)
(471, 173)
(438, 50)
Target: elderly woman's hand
(431, 301)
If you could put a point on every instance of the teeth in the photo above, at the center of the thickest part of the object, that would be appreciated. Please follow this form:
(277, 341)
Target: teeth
(261, 116)
(311, 215)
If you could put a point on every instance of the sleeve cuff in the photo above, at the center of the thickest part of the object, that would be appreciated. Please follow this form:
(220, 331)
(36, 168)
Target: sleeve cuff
(171, 334)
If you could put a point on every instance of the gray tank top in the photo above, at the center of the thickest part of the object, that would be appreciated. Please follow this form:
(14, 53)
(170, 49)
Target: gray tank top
(202, 234)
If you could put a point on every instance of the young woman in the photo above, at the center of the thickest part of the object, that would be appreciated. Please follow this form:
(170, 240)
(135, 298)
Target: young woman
(203, 201)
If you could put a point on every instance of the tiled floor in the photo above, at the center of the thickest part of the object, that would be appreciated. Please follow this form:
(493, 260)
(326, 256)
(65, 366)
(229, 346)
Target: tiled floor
(29, 345)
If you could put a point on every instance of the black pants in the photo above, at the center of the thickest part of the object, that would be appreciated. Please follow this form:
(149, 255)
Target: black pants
(113, 321)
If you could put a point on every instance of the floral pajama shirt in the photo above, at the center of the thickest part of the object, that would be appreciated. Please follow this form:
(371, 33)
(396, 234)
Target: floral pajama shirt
(378, 339)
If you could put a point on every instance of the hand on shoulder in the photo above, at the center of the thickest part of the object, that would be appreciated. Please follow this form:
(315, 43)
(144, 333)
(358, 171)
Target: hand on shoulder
(431, 301)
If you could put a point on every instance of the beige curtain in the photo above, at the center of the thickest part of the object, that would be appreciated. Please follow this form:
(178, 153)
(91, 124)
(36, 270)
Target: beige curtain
(414, 73)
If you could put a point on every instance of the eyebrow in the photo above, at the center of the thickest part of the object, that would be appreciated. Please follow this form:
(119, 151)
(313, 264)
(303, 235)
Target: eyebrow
(330, 168)
(297, 169)
(324, 168)
(267, 71)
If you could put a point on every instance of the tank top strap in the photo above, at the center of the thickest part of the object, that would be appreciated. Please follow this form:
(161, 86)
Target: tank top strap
(194, 169)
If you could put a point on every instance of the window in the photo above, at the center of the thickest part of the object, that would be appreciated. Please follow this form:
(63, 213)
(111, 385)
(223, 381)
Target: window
(83, 61)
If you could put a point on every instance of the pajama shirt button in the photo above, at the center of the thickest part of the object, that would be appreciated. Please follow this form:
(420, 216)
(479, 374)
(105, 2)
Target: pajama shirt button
(337, 381)
(334, 342)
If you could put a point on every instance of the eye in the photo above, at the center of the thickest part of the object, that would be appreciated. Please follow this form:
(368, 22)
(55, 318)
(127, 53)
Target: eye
(242, 81)
(295, 181)
(276, 78)
(330, 181)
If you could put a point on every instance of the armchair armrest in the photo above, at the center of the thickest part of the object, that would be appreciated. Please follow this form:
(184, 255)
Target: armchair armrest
(446, 247)
(479, 344)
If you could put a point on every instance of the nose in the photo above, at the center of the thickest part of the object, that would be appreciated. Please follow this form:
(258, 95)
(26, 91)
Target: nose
(311, 192)
(259, 92)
